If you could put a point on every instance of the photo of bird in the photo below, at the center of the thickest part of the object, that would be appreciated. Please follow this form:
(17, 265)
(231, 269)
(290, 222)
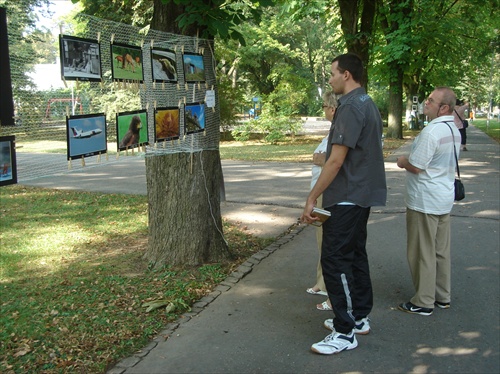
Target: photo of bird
(131, 137)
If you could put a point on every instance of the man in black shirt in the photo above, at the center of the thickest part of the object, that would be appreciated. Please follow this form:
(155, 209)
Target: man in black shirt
(352, 181)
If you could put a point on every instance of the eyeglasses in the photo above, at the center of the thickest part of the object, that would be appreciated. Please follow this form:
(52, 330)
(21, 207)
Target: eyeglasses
(432, 101)
(326, 106)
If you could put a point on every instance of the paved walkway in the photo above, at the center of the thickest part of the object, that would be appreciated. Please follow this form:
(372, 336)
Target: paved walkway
(250, 188)
(261, 320)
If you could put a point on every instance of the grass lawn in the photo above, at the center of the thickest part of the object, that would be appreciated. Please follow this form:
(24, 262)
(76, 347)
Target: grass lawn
(492, 129)
(73, 281)
(298, 149)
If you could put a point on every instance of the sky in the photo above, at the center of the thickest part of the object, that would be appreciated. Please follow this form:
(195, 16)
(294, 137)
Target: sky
(59, 8)
(44, 74)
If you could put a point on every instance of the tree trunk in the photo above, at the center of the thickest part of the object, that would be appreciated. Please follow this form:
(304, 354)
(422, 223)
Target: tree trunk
(392, 26)
(185, 224)
(357, 22)
(184, 189)
(165, 19)
(395, 120)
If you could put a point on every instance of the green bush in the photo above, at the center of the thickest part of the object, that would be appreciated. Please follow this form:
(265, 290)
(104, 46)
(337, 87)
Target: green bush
(275, 127)
(230, 99)
(380, 96)
(242, 132)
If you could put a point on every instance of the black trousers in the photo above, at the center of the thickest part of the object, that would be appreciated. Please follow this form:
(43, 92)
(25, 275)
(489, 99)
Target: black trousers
(344, 262)
(463, 134)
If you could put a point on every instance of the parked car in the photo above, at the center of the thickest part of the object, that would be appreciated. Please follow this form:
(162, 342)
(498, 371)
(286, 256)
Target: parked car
(479, 113)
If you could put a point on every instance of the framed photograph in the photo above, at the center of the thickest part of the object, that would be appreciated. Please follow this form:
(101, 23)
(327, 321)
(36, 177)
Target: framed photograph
(80, 58)
(131, 129)
(194, 68)
(6, 98)
(86, 135)
(167, 124)
(194, 118)
(126, 62)
(8, 167)
(163, 65)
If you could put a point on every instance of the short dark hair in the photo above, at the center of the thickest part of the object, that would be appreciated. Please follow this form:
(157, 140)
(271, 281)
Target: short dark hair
(352, 63)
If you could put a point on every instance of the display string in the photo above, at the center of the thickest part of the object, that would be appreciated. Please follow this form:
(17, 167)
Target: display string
(191, 156)
(208, 197)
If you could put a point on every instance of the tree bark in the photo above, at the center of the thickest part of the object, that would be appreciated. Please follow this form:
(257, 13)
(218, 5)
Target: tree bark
(400, 9)
(357, 22)
(165, 19)
(395, 120)
(185, 224)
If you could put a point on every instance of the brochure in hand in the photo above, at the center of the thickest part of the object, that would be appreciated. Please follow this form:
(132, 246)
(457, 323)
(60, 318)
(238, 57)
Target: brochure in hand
(322, 214)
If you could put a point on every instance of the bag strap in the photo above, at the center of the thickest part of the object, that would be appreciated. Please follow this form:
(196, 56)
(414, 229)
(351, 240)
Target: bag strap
(454, 149)
(461, 119)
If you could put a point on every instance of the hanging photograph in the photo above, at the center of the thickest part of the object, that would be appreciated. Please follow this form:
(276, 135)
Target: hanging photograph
(126, 62)
(7, 113)
(86, 135)
(131, 129)
(80, 58)
(167, 124)
(194, 118)
(163, 65)
(194, 68)
(8, 168)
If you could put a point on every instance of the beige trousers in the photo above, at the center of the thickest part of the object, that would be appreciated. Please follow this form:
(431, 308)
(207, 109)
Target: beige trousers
(428, 250)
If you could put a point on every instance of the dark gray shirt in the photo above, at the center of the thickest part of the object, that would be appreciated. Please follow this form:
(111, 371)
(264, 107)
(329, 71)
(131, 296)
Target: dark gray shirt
(361, 179)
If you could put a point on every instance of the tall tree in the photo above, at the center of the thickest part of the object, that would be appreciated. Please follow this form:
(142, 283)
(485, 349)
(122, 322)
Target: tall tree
(134, 12)
(427, 43)
(358, 24)
(288, 56)
(185, 223)
(396, 27)
(206, 18)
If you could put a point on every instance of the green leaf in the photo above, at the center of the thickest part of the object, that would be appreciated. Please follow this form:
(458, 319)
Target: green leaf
(155, 304)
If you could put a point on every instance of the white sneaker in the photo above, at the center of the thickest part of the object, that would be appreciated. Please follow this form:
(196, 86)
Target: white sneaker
(335, 343)
(361, 327)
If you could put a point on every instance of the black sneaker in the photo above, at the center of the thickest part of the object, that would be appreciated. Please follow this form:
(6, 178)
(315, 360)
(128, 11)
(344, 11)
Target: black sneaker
(412, 308)
(442, 305)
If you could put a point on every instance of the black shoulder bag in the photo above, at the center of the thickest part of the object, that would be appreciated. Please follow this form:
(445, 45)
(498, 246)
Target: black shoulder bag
(459, 187)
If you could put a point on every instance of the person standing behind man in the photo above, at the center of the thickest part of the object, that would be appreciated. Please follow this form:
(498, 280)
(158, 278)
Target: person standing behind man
(459, 117)
(351, 181)
(330, 103)
(430, 175)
